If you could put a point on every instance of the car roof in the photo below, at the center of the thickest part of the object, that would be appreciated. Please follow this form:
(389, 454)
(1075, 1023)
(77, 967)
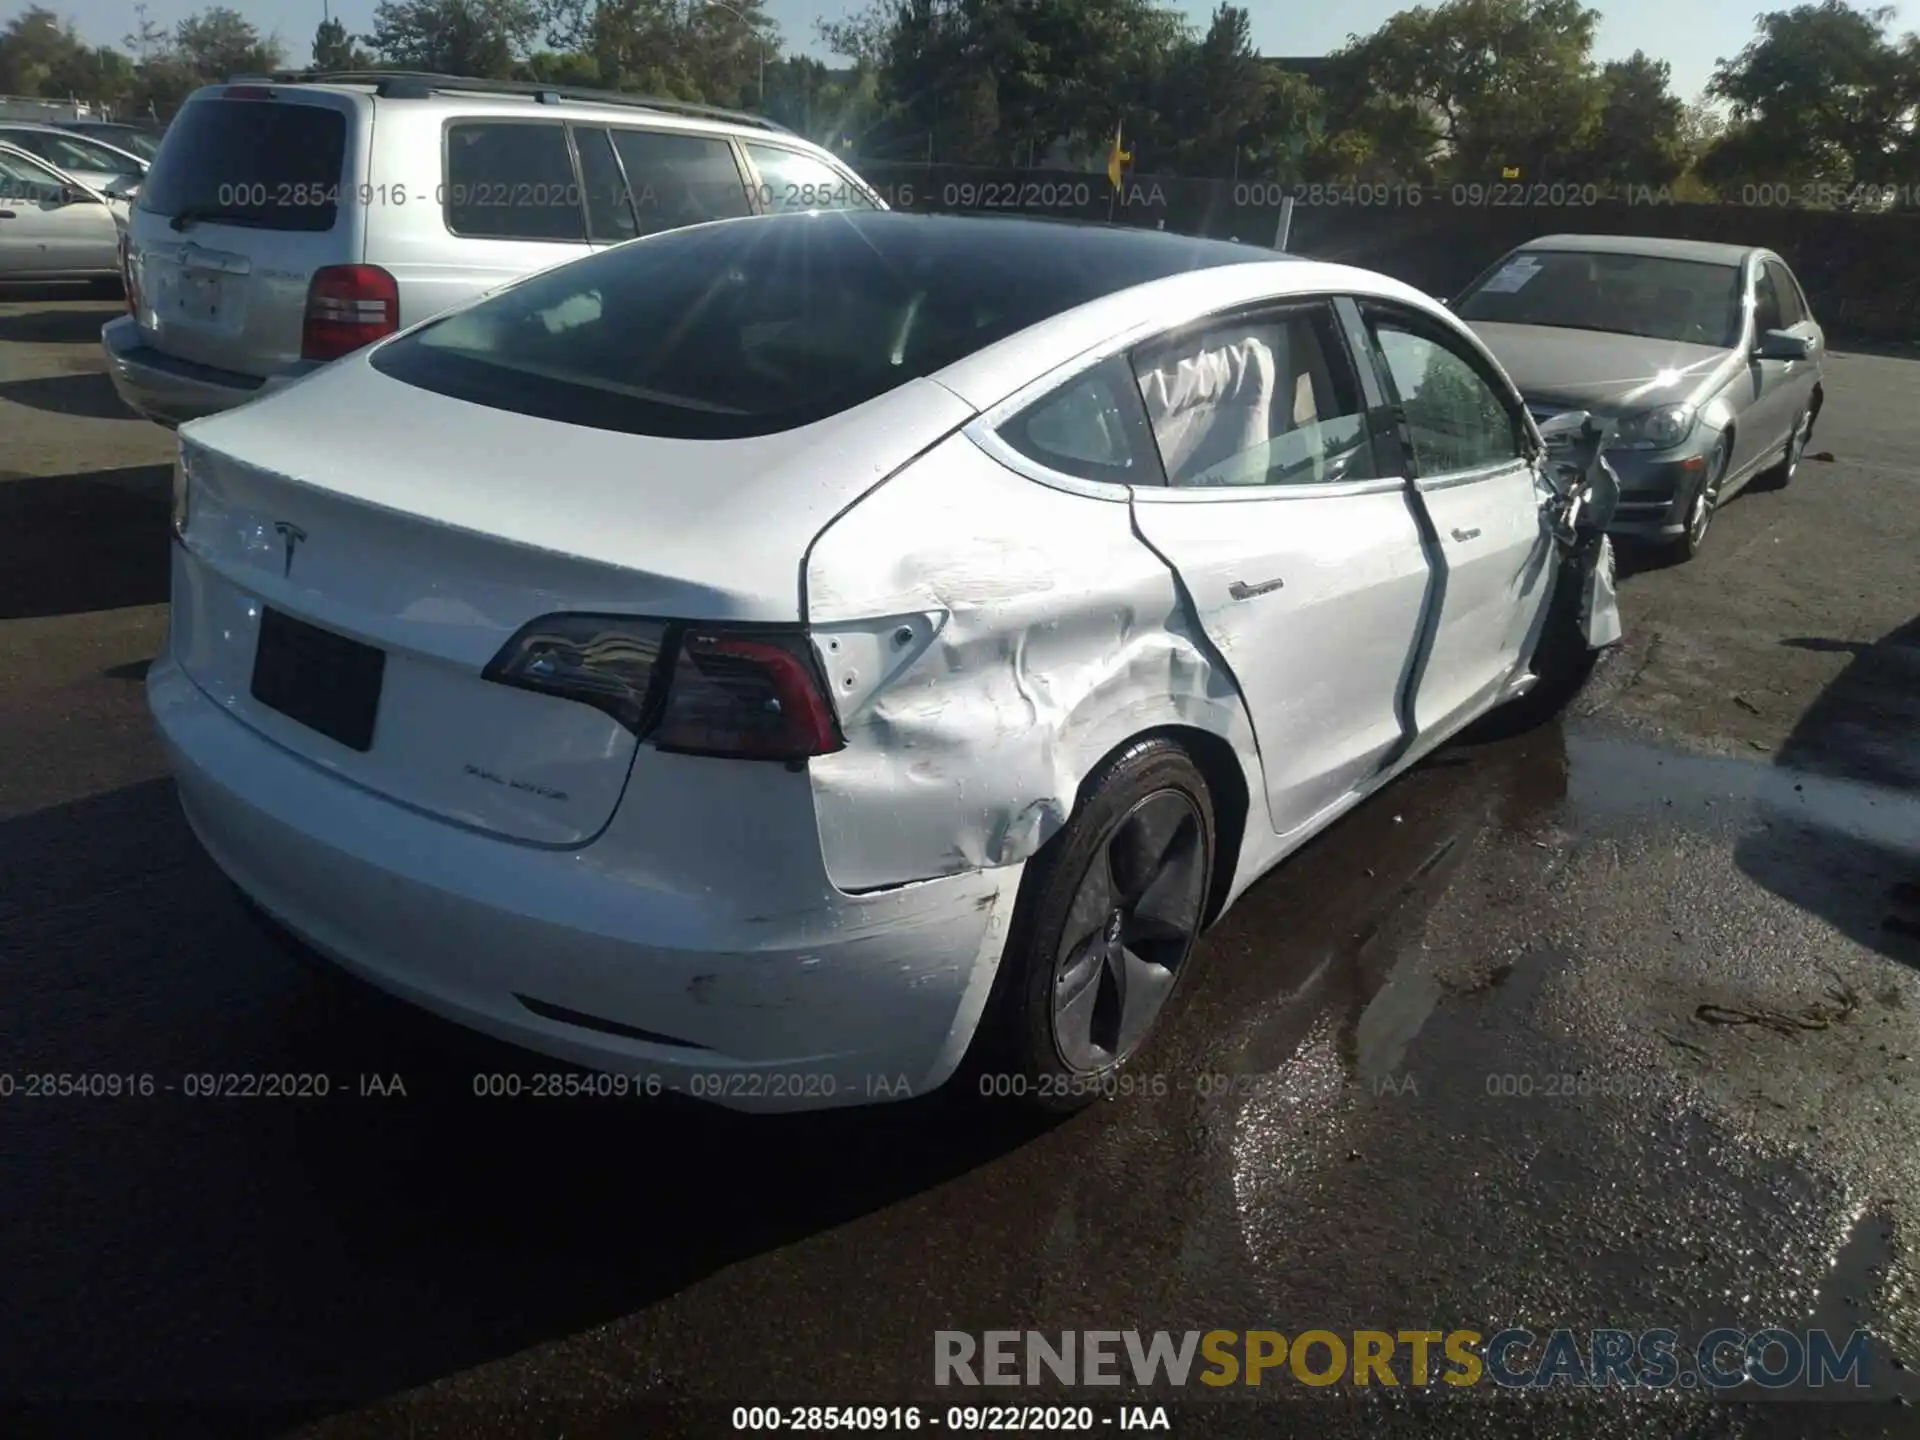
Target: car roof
(464, 95)
(1653, 246)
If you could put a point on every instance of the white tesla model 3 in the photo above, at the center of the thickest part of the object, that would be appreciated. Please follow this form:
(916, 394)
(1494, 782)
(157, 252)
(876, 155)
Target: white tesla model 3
(784, 659)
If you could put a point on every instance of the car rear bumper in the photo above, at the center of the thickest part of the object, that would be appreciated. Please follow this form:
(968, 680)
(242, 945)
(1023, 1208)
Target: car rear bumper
(168, 390)
(862, 998)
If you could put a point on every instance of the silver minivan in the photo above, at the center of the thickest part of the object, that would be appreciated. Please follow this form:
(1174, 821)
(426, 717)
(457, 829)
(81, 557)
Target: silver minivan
(289, 220)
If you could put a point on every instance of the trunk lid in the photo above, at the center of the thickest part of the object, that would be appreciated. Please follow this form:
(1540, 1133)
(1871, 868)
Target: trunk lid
(432, 530)
(249, 195)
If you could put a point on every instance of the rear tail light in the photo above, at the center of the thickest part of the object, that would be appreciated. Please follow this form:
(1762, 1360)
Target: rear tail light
(126, 278)
(750, 694)
(348, 306)
(753, 695)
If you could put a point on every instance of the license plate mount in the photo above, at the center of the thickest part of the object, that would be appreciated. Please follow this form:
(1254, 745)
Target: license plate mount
(325, 681)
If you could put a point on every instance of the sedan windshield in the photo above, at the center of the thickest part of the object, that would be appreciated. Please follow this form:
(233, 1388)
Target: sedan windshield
(751, 327)
(1690, 301)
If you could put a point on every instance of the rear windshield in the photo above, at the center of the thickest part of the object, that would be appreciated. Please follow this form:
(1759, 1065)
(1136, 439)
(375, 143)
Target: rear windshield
(1693, 301)
(258, 163)
(750, 327)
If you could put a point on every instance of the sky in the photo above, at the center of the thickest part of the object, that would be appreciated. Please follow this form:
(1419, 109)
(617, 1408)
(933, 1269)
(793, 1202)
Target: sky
(1691, 35)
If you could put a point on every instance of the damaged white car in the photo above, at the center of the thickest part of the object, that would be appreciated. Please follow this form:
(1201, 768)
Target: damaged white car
(783, 659)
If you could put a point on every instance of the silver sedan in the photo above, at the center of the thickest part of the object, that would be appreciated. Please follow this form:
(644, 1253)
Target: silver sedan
(53, 227)
(1707, 357)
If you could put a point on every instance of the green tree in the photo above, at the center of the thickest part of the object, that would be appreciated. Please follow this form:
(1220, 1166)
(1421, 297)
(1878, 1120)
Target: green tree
(1822, 95)
(218, 43)
(1473, 88)
(482, 38)
(1634, 138)
(33, 45)
(1223, 109)
(334, 48)
(999, 82)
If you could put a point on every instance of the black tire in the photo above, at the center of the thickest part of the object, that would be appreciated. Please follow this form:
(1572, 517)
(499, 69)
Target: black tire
(1017, 1054)
(1705, 500)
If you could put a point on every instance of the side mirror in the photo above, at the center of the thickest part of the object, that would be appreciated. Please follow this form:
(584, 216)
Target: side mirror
(123, 187)
(1783, 345)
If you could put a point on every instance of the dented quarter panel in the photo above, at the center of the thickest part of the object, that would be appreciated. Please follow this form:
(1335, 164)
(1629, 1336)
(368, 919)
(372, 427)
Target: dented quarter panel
(988, 640)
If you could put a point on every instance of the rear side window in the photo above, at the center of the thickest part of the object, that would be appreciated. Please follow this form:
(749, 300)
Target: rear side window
(264, 164)
(790, 180)
(677, 180)
(1264, 401)
(609, 207)
(1092, 427)
(512, 180)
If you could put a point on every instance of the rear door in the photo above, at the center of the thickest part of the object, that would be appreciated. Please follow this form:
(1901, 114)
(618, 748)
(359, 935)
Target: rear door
(1796, 318)
(1303, 560)
(253, 190)
(1465, 449)
(1780, 386)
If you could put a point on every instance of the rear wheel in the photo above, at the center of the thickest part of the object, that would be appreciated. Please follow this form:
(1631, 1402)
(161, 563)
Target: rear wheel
(1109, 911)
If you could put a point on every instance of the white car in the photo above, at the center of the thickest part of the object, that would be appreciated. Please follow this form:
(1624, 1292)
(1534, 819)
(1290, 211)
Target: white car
(780, 659)
(53, 226)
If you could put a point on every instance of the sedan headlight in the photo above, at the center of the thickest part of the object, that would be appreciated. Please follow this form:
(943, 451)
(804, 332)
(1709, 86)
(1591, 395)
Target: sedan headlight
(1660, 429)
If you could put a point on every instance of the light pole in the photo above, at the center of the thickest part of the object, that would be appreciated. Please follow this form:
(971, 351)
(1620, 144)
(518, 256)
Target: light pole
(759, 44)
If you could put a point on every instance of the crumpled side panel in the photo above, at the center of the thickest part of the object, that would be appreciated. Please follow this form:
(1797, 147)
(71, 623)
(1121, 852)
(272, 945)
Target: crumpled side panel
(988, 640)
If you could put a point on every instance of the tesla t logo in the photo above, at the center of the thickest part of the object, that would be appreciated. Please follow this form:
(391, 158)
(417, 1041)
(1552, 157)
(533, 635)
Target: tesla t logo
(290, 538)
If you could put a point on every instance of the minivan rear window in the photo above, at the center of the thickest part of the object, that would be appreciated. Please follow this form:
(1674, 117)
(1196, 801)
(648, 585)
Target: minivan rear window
(264, 164)
(757, 326)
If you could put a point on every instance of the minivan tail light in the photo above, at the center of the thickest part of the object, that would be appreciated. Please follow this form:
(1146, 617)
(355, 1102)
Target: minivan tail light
(348, 306)
(127, 284)
(749, 694)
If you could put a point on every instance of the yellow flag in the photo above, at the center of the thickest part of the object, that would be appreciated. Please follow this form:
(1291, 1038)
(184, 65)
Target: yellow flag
(1117, 158)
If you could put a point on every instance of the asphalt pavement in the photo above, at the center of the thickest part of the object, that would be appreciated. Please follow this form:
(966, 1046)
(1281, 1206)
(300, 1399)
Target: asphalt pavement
(1613, 1025)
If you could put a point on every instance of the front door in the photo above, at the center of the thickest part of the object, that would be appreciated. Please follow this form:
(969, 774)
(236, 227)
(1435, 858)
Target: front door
(1466, 449)
(1303, 561)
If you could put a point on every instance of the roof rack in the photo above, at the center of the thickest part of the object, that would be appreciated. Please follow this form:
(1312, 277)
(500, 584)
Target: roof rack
(418, 84)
